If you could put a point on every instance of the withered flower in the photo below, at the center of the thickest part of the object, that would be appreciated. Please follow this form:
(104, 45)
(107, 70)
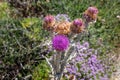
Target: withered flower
(77, 26)
(62, 27)
(49, 22)
(90, 14)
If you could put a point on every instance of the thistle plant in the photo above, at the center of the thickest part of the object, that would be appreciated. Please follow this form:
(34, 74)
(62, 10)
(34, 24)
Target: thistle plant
(65, 35)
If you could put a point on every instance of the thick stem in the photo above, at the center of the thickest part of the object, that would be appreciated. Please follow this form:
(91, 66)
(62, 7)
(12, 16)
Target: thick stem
(58, 76)
(56, 64)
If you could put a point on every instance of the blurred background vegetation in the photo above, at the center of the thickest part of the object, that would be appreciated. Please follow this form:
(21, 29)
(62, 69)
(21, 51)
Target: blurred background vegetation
(21, 32)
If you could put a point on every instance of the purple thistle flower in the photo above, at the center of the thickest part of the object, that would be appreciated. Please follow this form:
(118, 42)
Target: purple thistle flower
(88, 19)
(49, 19)
(77, 26)
(93, 10)
(60, 42)
(90, 15)
(49, 22)
(77, 22)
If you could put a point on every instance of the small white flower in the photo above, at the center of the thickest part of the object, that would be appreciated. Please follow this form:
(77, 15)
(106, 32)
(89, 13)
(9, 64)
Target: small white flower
(118, 16)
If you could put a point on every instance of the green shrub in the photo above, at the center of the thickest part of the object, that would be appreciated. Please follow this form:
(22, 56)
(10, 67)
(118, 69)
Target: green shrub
(41, 72)
(28, 8)
(4, 10)
(18, 51)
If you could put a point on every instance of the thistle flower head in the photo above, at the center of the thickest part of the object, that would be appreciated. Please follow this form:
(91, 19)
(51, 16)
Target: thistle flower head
(90, 14)
(78, 22)
(93, 10)
(60, 42)
(49, 19)
(77, 26)
(49, 22)
(62, 27)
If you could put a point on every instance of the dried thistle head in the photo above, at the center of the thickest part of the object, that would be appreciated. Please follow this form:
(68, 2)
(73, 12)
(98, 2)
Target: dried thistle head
(62, 17)
(49, 22)
(93, 10)
(91, 14)
(62, 27)
(77, 26)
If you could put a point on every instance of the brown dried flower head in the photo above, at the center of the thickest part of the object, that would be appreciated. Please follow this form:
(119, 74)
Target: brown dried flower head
(91, 12)
(77, 26)
(62, 27)
(49, 22)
